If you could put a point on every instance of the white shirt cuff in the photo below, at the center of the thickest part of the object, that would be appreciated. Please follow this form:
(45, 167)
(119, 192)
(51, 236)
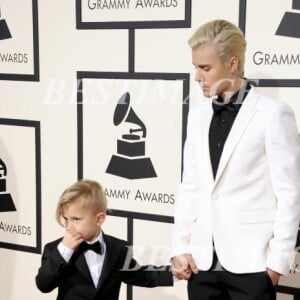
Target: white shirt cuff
(65, 252)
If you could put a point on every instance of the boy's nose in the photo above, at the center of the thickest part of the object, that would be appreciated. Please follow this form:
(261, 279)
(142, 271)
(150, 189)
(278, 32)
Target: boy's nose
(69, 225)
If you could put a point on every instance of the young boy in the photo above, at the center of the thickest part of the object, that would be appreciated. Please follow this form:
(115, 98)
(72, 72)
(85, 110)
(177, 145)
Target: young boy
(86, 263)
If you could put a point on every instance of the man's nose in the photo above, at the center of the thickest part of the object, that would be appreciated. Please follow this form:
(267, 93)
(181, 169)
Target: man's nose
(199, 75)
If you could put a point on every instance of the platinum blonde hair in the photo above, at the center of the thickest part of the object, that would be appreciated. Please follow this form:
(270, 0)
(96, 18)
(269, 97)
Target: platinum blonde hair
(226, 38)
(88, 193)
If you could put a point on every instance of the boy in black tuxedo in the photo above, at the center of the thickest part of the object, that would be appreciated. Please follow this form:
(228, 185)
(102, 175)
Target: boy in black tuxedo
(86, 263)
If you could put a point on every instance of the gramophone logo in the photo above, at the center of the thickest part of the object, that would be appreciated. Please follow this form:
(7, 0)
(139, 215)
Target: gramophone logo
(130, 161)
(4, 30)
(6, 201)
(290, 23)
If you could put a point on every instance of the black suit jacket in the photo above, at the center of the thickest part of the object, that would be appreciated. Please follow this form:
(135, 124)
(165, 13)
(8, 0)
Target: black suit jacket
(74, 281)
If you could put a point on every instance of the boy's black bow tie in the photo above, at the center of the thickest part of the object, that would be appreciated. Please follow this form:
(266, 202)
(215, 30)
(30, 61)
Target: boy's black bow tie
(95, 247)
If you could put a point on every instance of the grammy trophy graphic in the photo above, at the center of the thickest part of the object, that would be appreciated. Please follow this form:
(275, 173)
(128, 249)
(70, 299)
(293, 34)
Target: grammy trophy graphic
(4, 30)
(6, 201)
(290, 23)
(130, 161)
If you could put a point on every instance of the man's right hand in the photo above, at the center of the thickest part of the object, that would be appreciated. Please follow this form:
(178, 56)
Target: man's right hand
(183, 265)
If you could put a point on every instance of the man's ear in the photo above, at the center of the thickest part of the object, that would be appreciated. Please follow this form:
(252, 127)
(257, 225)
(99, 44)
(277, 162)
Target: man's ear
(234, 65)
(100, 218)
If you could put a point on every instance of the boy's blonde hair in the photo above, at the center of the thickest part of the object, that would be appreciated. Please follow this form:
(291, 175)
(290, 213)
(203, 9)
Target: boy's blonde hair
(88, 193)
(226, 38)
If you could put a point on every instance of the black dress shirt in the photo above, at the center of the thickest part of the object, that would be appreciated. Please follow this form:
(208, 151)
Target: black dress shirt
(221, 123)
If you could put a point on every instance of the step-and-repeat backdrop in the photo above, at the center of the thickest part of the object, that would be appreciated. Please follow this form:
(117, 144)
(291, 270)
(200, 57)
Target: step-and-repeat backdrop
(101, 89)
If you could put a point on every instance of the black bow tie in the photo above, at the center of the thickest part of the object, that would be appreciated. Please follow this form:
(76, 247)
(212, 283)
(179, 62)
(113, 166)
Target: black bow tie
(235, 102)
(95, 247)
(218, 106)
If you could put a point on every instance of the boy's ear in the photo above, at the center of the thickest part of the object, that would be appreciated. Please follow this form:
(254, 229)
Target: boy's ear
(100, 217)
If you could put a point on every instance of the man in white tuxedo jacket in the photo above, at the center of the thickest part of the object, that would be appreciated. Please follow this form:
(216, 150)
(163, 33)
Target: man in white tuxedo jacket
(238, 207)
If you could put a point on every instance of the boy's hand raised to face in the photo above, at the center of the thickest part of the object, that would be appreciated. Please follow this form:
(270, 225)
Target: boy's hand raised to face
(72, 239)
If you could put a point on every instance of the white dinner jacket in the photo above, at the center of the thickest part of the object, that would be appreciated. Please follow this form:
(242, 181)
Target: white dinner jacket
(251, 209)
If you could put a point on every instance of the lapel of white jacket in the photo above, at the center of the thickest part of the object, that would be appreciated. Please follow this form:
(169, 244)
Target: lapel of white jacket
(239, 126)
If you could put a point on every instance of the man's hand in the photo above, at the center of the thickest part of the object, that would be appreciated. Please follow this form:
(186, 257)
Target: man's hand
(183, 266)
(72, 239)
(274, 276)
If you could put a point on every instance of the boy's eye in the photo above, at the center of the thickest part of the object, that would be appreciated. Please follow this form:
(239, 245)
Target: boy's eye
(76, 220)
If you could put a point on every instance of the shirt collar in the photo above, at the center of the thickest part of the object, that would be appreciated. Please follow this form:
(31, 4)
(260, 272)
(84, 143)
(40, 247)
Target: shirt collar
(237, 98)
(98, 238)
